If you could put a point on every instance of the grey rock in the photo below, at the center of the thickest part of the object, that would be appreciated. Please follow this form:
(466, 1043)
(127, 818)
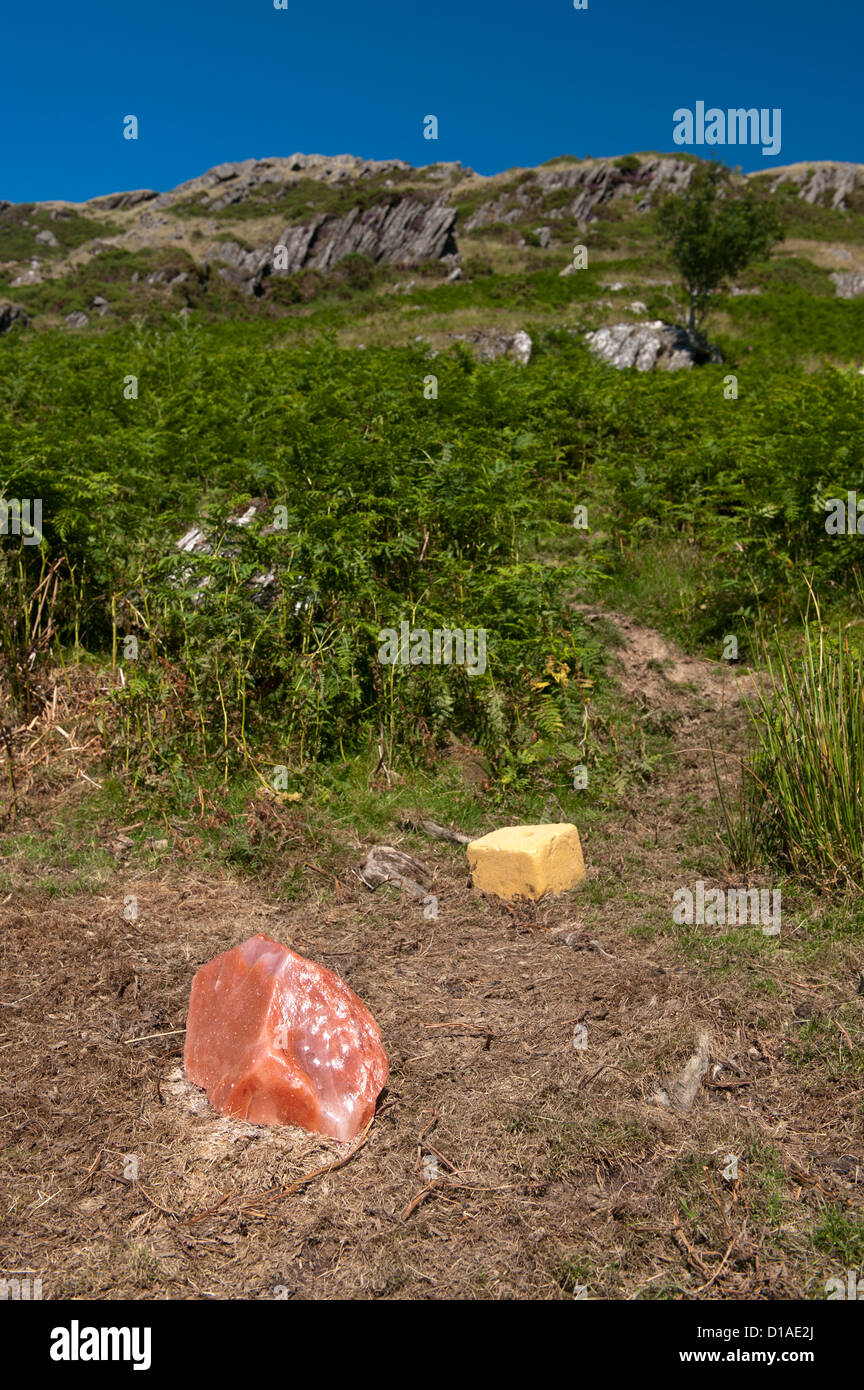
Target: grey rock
(849, 283)
(402, 232)
(245, 269)
(684, 1088)
(646, 346)
(47, 238)
(384, 864)
(116, 201)
(167, 277)
(593, 182)
(824, 182)
(77, 319)
(445, 171)
(12, 315)
(266, 586)
(520, 348)
(491, 343)
(542, 234)
(230, 183)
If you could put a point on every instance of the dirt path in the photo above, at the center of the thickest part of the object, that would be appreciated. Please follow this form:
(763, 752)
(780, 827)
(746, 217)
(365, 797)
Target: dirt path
(523, 1147)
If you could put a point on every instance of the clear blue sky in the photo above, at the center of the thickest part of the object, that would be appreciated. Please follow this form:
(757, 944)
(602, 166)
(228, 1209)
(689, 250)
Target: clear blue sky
(512, 83)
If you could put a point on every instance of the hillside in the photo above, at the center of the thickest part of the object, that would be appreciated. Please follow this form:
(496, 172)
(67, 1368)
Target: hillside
(382, 252)
(269, 421)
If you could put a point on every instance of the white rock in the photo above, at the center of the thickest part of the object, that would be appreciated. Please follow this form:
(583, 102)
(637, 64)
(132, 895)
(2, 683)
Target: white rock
(520, 348)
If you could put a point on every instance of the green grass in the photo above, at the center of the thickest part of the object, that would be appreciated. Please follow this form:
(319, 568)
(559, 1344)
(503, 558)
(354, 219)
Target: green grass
(840, 1235)
(20, 222)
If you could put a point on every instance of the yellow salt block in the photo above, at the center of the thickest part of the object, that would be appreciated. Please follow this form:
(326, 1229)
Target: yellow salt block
(527, 861)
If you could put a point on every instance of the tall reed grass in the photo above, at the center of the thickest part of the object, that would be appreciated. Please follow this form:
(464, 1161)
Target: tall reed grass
(801, 800)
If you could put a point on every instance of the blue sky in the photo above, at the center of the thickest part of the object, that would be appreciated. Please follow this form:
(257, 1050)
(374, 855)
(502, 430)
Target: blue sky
(511, 83)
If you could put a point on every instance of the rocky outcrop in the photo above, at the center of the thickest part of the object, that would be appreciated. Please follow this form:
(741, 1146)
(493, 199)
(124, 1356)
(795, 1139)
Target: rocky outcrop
(823, 184)
(646, 346)
(593, 183)
(227, 184)
(400, 231)
(115, 202)
(12, 314)
(491, 343)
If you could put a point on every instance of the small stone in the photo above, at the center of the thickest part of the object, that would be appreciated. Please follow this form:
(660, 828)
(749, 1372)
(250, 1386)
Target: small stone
(527, 861)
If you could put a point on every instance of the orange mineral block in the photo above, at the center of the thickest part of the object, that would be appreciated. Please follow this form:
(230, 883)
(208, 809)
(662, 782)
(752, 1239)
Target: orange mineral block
(278, 1040)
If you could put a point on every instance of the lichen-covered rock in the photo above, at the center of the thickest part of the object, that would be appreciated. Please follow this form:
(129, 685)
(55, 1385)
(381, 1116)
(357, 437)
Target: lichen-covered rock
(278, 1040)
(850, 283)
(397, 231)
(649, 345)
(824, 183)
(594, 182)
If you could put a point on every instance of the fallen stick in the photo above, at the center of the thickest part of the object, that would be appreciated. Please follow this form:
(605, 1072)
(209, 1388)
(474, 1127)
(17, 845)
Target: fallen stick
(434, 831)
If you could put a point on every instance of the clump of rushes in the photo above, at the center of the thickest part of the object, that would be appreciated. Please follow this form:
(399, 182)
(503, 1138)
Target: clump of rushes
(800, 805)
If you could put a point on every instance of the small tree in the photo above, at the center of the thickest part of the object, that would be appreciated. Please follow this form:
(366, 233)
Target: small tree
(713, 230)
